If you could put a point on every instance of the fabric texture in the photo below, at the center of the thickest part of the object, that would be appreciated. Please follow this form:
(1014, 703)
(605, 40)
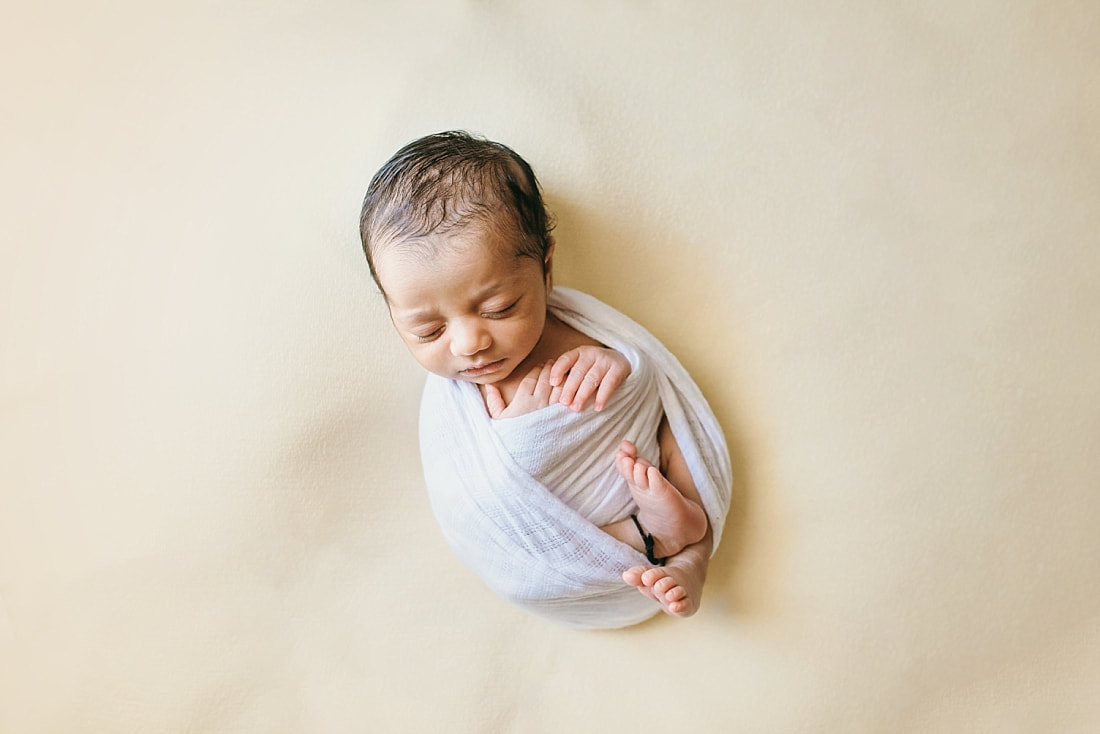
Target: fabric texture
(521, 500)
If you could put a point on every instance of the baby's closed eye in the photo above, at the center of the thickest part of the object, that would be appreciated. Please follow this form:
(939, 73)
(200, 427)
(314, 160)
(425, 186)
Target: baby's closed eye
(500, 313)
(424, 336)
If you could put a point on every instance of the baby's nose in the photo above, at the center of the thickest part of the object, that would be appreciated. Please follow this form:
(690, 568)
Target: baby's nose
(467, 339)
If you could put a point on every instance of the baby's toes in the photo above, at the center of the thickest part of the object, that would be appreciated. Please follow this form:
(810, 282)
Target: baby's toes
(681, 608)
(675, 594)
(633, 576)
(667, 586)
(652, 576)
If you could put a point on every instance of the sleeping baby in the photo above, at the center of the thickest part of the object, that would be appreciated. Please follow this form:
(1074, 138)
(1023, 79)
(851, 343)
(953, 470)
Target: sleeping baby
(571, 462)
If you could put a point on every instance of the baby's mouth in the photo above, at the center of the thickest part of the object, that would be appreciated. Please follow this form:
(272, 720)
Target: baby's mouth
(484, 368)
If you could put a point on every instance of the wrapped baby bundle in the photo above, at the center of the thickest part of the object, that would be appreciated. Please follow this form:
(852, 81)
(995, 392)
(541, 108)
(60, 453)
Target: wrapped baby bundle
(521, 500)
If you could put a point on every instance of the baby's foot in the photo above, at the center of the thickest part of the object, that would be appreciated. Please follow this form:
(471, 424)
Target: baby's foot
(677, 586)
(673, 520)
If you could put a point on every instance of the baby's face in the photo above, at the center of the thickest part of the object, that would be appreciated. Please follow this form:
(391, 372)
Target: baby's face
(468, 309)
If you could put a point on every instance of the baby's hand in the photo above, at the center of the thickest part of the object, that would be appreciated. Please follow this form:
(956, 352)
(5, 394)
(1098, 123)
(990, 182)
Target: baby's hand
(534, 393)
(588, 370)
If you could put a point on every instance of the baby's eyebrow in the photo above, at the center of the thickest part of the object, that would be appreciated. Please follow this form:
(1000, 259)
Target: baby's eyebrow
(418, 315)
(489, 291)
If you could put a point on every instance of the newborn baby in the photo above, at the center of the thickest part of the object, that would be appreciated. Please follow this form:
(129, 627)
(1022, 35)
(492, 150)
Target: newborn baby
(458, 242)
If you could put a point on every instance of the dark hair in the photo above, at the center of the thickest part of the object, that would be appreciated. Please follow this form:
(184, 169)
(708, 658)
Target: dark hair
(446, 180)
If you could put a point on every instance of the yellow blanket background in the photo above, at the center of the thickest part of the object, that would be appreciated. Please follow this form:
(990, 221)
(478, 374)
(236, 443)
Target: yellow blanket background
(871, 232)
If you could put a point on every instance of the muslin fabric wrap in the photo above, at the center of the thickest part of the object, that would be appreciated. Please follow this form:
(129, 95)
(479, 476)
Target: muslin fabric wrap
(521, 500)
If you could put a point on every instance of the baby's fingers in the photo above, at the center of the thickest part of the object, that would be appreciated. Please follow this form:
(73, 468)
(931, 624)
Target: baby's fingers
(607, 386)
(543, 389)
(562, 365)
(580, 375)
(589, 383)
(529, 383)
(494, 401)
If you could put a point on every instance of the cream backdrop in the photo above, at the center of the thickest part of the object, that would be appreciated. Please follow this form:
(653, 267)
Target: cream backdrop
(869, 229)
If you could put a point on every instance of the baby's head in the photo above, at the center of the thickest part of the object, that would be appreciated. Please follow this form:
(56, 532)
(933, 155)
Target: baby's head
(443, 183)
(458, 241)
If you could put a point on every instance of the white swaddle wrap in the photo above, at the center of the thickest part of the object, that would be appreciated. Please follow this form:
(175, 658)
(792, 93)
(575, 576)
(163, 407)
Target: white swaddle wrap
(521, 500)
